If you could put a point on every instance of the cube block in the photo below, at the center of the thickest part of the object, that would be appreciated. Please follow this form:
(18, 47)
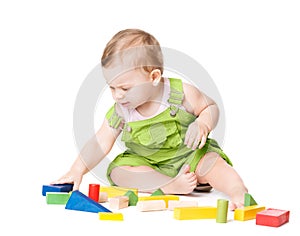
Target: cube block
(272, 217)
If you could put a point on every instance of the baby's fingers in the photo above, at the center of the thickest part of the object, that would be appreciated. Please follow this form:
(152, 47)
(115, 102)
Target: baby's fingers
(63, 180)
(187, 140)
(196, 143)
(203, 141)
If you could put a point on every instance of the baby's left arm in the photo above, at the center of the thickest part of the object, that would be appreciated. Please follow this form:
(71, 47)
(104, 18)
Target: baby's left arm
(207, 112)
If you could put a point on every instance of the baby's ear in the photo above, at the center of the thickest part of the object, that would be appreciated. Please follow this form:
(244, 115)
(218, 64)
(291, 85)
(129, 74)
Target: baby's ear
(155, 76)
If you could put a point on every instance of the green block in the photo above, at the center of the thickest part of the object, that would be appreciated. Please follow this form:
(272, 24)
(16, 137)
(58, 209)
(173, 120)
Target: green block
(249, 200)
(157, 192)
(57, 198)
(222, 209)
(133, 198)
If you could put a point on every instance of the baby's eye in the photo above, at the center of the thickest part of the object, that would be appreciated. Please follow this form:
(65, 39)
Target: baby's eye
(125, 89)
(112, 88)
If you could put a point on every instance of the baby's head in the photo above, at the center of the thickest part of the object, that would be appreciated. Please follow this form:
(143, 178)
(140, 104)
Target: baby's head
(131, 49)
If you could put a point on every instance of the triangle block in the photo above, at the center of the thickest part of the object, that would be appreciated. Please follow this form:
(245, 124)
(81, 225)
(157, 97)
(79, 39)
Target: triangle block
(80, 202)
(249, 200)
(157, 192)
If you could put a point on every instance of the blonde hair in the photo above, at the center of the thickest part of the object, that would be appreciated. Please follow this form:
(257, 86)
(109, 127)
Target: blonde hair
(147, 50)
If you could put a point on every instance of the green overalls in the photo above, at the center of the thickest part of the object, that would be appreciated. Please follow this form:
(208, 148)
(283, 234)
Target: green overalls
(158, 142)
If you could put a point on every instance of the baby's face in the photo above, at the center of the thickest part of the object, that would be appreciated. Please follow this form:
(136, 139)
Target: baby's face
(132, 88)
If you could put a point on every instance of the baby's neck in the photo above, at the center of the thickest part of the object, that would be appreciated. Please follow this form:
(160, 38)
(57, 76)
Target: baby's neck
(151, 107)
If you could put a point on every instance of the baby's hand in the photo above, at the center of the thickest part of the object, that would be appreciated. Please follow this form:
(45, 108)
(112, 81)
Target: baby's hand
(69, 178)
(197, 131)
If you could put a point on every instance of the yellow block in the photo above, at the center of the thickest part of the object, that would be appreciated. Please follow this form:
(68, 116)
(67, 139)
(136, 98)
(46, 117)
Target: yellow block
(194, 213)
(247, 213)
(166, 198)
(113, 191)
(110, 216)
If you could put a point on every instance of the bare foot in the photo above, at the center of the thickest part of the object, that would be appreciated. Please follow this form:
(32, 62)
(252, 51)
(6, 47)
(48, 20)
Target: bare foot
(237, 198)
(184, 183)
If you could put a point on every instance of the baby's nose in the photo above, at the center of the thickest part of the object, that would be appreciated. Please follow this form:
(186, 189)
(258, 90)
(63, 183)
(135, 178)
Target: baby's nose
(119, 95)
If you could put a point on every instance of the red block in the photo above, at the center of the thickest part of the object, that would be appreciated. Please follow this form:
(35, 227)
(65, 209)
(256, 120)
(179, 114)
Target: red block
(272, 217)
(94, 191)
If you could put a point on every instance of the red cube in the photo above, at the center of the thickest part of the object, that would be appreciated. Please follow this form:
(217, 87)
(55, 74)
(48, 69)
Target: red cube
(272, 217)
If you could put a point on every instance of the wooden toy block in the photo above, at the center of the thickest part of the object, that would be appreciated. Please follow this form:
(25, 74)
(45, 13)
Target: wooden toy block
(222, 210)
(249, 200)
(94, 192)
(151, 205)
(175, 204)
(133, 198)
(103, 197)
(247, 213)
(157, 192)
(118, 202)
(57, 188)
(166, 198)
(113, 191)
(80, 202)
(57, 198)
(272, 217)
(195, 213)
(110, 216)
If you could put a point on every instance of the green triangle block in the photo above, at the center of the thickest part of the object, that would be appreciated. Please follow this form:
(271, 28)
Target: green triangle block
(249, 200)
(157, 192)
(133, 198)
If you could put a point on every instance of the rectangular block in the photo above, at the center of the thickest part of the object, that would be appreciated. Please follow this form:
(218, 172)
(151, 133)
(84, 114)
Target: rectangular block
(110, 216)
(119, 202)
(113, 191)
(57, 188)
(166, 198)
(175, 204)
(103, 197)
(153, 205)
(247, 213)
(57, 198)
(195, 213)
(272, 217)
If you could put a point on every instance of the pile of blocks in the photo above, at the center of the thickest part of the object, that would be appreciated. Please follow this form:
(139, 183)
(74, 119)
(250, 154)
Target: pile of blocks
(119, 198)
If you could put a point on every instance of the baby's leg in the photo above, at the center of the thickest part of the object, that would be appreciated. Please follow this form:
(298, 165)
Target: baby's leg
(143, 178)
(146, 179)
(215, 170)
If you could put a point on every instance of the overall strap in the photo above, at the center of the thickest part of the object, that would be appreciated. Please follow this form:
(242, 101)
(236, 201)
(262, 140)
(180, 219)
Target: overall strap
(114, 119)
(176, 95)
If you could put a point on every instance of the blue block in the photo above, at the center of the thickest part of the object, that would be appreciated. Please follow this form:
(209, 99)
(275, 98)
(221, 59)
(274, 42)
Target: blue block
(80, 202)
(57, 188)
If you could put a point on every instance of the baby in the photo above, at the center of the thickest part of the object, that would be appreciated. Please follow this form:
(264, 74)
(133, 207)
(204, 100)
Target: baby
(164, 123)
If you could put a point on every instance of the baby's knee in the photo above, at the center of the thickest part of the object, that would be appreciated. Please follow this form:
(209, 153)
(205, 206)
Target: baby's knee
(207, 163)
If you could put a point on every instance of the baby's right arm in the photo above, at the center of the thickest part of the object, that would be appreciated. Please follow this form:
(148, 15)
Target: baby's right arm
(91, 154)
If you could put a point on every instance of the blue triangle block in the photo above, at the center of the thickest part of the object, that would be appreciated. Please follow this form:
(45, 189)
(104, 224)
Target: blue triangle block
(57, 188)
(80, 202)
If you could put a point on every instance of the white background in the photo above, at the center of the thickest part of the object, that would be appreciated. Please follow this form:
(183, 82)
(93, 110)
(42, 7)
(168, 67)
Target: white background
(250, 49)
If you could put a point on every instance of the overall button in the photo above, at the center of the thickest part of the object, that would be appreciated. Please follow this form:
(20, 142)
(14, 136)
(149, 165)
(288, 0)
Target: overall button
(129, 129)
(173, 113)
